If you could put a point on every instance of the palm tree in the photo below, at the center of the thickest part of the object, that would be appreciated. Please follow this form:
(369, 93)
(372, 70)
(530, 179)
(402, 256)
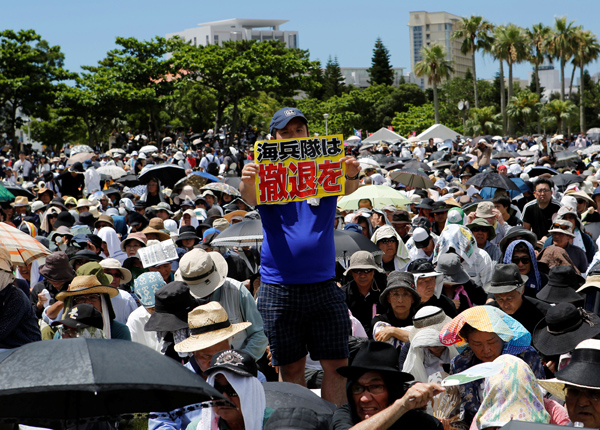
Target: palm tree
(561, 46)
(558, 112)
(484, 120)
(538, 36)
(474, 32)
(587, 50)
(436, 67)
(499, 52)
(511, 42)
(523, 107)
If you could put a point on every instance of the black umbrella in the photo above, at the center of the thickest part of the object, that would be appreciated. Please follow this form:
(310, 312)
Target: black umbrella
(565, 179)
(129, 180)
(17, 190)
(505, 154)
(52, 382)
(443, 165)
(476, 140)
(412, 178)
(494, 180)
(195, 136)
(540, 170)
(417, 165)
(394, 166)
(246, 233)
(348, 242)
(288, 395)
(167, 174)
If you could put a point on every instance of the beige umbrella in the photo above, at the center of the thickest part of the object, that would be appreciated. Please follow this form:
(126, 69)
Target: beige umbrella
(23, 248)
(80, 157)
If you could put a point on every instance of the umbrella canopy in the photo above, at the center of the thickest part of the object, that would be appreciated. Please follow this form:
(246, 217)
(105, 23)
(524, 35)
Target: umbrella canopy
(223, 188)
(196, 180)
(380, 195)
(245, 233)
(394, 166)
(353, 139)
(167, 174)
(148, 148)
(115, 172)
(566, 156)
(88, 378)
(415, 164)
(368, 163)
(138, 190)
(80, 148)
(195, 136)
(526, 153)
(167, 140)
(129, 180)
(5, 195)
(288, 395)
(117, 151)
(23, 248)
(16, 190)
(540, 170)
(234, 181)
(594, 149)
(80, 157)
(348, 242)
(412, 178)
(476, 140)
(563, 180)
(493, 180)
(505, 154)
(438, 155)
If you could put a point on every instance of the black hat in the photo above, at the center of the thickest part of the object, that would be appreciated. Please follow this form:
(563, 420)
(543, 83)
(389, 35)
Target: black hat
(173, 303)
(561, 286)
(439, 207)
(505, 278)
(421, 221)
(373, 356)
(135, 218)
(85, 254)
(86, 218)
(58, 202)
(81, 316)
(64, 218)
(187, 235)
(187, 229)
(397, 279)
(426, 203)
(563, 327)
(401, 217)
(517, 232)
(237, 361)
(297, 418)
(77, 168)
(109, 191)
(420, 265)
(140, 204)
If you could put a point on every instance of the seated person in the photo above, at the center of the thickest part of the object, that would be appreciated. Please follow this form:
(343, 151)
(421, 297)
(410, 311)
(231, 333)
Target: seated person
(83, 320)
(522, 253)
(562, 236)
(429, 285)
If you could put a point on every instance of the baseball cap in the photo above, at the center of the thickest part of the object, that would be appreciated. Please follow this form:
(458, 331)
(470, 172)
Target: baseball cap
(421, 237)
(283, 116)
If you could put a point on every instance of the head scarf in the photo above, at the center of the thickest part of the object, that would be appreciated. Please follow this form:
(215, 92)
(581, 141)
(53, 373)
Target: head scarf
(402, 258)
(34, 274)
(193, 218)
(534, 281)
(252, 401)
(109, 235)
(144, 196)
(516, 338)
(458, 238)
(512, 394)
(420, 362)
(554, 256)
(46, 226)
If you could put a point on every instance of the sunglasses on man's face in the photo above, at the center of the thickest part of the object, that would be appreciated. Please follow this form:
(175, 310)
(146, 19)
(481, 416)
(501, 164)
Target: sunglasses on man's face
(522, 260)
(388, 240)
(359, 271)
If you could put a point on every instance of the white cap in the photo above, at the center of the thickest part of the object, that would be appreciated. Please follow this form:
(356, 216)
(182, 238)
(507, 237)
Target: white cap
(134, 153)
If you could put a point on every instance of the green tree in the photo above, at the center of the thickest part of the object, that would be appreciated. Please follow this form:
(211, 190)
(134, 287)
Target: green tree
(560, 45)
(586, 50)
(474, 33)
(193, 105)
(591, 101)
(558, 113)
(436, 68)
(538, 36)
(483, 121)
(397, 101)
(30, 74)
(523, 109)
(333, 79)
(416, 118)
(381, 71)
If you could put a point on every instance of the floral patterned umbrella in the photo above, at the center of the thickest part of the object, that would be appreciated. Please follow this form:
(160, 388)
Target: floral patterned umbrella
(223, 188)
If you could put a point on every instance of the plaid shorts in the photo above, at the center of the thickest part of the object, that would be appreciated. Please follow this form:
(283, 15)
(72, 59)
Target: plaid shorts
(303, 317)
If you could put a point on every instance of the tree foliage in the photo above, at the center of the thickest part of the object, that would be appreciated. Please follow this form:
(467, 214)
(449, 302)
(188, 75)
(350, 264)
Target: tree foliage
(436, 68)
(333, 79)
(483, 121)
(416, 118)
(381, 71)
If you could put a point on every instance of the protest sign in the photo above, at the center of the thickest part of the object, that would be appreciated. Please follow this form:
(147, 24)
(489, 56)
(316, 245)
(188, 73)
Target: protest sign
(299, 169)
(160, 253)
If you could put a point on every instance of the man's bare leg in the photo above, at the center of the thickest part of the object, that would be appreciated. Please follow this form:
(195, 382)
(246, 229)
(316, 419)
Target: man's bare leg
(333, 387)
(293, 372)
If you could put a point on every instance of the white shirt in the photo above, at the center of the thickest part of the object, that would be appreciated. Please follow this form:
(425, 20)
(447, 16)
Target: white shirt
(482, 268)
(136, 322)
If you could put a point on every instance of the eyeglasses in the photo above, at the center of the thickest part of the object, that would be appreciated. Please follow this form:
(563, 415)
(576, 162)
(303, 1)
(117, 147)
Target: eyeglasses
(574, 393)
(388, 240)
(357, 389)
(562, 227)
(543, 190)
(359, 271)
(116, 274)
(479, 229)
(522, 260)
(581, 201)
(68, 333)
(226, 389)
(86, 299)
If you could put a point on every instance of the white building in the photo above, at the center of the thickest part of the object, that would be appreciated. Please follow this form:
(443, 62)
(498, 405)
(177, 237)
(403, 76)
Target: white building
(236, 29)
(359, 76)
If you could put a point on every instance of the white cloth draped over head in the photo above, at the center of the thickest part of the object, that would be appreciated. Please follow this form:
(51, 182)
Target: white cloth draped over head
(402, 258)
(252, 401)
(45, 222)
(420, 362)
(193, 217)
(113, 243)
(34, 274)
(439, 281)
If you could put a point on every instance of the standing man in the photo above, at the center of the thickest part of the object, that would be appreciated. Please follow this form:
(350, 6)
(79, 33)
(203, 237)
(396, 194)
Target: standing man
(22, 167)
(301, 306)
(538, 214)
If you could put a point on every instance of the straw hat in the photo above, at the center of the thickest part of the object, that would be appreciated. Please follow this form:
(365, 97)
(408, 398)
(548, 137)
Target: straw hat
(20, 201)
(209, 325)
(113, 263)
(161, 234)
(203, 271)
(86, 284)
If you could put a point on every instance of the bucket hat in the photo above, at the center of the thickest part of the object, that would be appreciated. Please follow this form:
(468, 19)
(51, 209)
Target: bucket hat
(478, 223)
(64, 219)
(515, 233)
(505, 278)
(397, 279)
(563, 327)
(362, 260)
(145, 287)
(188, 235)
(562, 226)
(485, 210)
(94, 268)
(138, 237)
(236, 361)
(221, 224)
(561, 287)
(84, 254)
(86, 284)
(57, 268)
(209, 324)
(426, 203)
(172, 304)
(401, 217)
(105, 218)
(420, 221)
(83, 203)
(203, 271)
(113, 263)
(373, 356)
(430, 317)
(450, 266)
(161, 234)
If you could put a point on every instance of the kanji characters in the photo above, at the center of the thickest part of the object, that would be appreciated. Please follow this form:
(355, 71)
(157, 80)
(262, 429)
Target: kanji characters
(330, 172)
(273, 182)
(267, 151)
(303, 184)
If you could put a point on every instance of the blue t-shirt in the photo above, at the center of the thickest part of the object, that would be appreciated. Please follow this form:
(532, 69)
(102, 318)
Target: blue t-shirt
(298, 246)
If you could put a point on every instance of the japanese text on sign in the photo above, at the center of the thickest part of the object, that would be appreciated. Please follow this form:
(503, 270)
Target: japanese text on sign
(299, 169)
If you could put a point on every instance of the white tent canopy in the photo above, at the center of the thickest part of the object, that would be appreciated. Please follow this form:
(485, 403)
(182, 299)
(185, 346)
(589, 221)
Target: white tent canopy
(384, 134)
(438, 130)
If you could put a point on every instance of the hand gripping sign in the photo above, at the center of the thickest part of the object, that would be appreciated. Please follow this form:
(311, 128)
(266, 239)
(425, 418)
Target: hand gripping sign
(299, 169)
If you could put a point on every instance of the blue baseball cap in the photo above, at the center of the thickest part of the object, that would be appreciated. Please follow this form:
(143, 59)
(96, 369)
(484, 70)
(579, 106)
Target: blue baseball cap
(283, 116)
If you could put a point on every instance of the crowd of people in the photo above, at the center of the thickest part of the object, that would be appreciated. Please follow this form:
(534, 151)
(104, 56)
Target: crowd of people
(460, 274)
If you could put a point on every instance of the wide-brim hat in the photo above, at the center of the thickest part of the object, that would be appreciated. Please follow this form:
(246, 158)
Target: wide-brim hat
(505, 278)
(426, 203)
(561, 287)
(138, 237)
(450, 266)
(57, 268)
(172, 304)
(514, 232)
(373, 356)
(20, 201)
(203, 271)
(582, 370)
(584, 196)
(397, 279)
(480, 222)
(484, 210)
(161, 234)
(592, 281)
(187, 235)
(209, 325)
(83, 203)
(362, 260)
(113, 263)
(87, 284)
(105, 218)
(563, 328)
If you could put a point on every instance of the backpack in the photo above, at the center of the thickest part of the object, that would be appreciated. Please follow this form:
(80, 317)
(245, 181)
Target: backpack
(213, 167)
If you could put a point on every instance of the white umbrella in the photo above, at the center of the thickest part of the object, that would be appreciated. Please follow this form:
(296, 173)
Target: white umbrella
(353, 139)
(117, 151)
(141, 137)
(413, 139)
(197, 141)
(167, 140)
(368, 163)
(497, 138)
(148, 148)
(79, 149)
(437, 140)
(113, 171)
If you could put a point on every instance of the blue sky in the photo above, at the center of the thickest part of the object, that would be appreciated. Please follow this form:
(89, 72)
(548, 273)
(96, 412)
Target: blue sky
(86, 29)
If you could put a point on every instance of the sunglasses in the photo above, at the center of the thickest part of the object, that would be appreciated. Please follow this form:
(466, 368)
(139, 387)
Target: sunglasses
(479, 229)
(388, 240)
(522, 260)
(358, 271)
(562, 227)
(226, 389)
